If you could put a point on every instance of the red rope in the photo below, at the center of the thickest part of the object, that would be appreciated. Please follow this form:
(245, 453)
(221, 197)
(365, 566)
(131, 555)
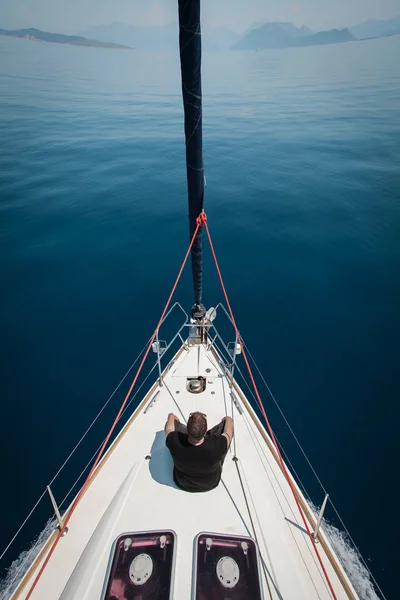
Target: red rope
(85, 485)
(264, 413)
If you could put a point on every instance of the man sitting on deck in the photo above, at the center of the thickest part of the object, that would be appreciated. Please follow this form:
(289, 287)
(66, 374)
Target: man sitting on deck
(198, 454)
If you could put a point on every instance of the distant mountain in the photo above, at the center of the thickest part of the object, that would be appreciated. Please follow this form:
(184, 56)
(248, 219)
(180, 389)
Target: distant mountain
(159, 38)
(304, 30)
(287, 28)
(287, 35)
(275, 32)
(57, 38)
(370, 29)
(255, 25)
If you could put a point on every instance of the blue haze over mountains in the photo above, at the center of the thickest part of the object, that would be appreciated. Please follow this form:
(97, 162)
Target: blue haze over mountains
(260, 35)
(163, 37)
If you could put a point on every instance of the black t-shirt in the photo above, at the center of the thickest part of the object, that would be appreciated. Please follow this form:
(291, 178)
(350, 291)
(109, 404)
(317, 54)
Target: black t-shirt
(197, 468)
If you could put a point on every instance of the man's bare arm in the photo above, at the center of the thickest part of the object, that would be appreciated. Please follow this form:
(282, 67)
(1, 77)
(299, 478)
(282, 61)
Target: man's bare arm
(170, 424)
(228, 429)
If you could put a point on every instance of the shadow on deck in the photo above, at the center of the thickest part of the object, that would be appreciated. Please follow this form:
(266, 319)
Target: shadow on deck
(161, 464)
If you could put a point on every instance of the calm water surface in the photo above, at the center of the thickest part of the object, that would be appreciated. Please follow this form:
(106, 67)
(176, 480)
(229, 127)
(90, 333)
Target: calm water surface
(302, 159)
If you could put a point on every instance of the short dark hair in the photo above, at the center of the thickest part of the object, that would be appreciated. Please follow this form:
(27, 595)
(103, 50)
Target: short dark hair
(197, 426)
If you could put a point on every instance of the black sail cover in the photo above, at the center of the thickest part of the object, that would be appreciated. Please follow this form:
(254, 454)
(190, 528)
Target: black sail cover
(190, 53)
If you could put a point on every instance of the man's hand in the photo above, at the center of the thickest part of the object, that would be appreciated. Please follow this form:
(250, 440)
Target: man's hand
(170, 424)
(228, 429)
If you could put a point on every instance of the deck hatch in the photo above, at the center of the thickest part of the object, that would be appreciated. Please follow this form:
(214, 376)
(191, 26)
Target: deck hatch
(141, 566)
(225, 566)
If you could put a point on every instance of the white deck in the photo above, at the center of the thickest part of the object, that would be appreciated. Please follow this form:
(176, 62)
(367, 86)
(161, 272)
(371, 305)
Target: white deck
(130, 493)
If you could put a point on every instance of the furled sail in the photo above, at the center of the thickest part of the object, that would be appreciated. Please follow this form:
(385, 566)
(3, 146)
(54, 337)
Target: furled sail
(190, 53)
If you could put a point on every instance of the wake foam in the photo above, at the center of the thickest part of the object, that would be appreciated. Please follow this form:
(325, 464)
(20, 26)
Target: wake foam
(21, 564)
(350, 559)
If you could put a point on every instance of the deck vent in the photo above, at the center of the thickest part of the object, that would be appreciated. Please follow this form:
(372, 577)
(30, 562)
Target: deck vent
(196, 385)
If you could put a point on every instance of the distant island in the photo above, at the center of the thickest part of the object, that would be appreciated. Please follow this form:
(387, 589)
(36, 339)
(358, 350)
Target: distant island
(58, 38)
(287, 35)
(376, 28)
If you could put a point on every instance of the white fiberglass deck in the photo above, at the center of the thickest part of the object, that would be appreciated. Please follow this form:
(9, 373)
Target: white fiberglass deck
(131, 493)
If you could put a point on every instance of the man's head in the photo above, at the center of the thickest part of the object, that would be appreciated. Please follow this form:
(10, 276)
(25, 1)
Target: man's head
(197, 426)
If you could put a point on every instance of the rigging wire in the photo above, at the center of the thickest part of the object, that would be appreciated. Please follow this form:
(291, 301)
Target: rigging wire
(285, 419)
(227, 377)
(86, 483)
(284, 469)
(72, 452)
(23, 523)
(98, 448)
(298, 479)
(301, 484)
(220, 350)
(22, 566)
(311, 467)
(288, 461)
(252, 522)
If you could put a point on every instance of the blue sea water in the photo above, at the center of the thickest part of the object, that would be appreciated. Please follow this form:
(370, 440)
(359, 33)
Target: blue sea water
(302, 157)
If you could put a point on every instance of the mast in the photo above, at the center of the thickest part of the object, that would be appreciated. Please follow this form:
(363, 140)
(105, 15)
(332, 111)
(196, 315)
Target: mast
(190, 55)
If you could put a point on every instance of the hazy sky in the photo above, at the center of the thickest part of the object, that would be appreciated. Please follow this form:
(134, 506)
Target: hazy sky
(71, 16)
